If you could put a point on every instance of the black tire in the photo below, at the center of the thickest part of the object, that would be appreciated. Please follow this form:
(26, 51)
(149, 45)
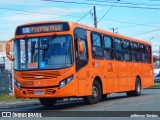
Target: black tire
(47, 102)
(104, 97)
(129, 93)
(96, 94)
(137, 90)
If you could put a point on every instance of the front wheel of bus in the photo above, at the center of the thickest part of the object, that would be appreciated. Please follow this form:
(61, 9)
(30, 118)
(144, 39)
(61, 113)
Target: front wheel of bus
(47, 102)
(96, 94)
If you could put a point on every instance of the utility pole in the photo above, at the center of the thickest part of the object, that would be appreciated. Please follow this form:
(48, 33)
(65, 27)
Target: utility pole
(95, 17)
(113, 29)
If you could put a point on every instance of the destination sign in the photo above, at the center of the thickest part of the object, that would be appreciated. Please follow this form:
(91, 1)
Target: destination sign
(43, 28)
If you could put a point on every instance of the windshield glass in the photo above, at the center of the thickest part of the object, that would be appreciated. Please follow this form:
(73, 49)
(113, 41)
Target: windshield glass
(43, 53)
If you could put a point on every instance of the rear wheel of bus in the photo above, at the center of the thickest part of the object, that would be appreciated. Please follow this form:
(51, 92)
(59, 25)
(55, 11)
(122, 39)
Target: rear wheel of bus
(96, 94)
(137, 90)
(47, 102)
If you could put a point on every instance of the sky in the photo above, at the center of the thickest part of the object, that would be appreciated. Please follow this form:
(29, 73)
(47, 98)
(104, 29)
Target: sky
(137, 18)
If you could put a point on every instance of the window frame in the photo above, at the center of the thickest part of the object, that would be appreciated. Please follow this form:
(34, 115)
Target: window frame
(116, 50)
(75, 47)
(129, 51)
(108, 49)
(100, 35)
(149, 54)
(135, 51)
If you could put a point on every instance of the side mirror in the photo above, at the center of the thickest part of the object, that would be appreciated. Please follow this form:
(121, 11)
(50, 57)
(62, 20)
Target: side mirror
(8, 49)
(80, 46)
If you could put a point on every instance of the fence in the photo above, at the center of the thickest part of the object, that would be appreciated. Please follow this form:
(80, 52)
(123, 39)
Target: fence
(4, 80)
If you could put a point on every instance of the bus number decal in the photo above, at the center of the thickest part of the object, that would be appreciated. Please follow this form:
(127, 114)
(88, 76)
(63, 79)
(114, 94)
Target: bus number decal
(27, 83)
(110, 67)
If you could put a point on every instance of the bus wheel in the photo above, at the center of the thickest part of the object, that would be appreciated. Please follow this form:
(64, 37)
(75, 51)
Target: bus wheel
(137, 90)
(96, 94)
(47, 102)
(104, 97)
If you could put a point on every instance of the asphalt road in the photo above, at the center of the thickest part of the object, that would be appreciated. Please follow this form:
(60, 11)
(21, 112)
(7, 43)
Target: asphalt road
(148, 101)
(115, 106)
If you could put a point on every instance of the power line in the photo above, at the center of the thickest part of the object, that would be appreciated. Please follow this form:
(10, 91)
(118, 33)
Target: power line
(125, 3)
(28, 12)
(107, 11)
(24, 11)
(89, 21)
(84, 16)
(132, 23)
(85, 3)
(145, 32)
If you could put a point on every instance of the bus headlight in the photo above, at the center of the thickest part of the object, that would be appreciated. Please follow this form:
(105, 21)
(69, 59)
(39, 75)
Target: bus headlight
(65, 82)
(18, 85)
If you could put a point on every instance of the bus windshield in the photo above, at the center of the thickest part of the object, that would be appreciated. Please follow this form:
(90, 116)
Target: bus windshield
(52, 52)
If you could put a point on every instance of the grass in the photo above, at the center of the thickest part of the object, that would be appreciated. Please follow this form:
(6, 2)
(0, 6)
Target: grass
(154, 87)
(12, 98)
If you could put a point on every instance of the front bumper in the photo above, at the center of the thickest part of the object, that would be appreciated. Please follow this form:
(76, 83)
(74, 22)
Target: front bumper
(47, 92)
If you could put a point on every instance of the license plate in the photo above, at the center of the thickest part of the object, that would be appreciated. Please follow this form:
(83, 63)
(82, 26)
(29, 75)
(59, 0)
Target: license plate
(39, 92)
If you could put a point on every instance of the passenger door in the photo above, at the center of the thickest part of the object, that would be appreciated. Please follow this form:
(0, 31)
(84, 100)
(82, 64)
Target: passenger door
(110, 64)
(81, 60)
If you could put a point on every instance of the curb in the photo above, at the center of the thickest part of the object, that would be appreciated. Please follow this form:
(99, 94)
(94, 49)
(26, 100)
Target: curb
(19, 104)
(4, 105)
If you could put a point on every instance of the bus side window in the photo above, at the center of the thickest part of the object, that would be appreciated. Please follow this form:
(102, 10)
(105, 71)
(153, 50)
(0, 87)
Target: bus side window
(97, 49)
(108, 48)
(127, 51)
(148, 54)
(142, 53)
(118, 49)
(135, 52)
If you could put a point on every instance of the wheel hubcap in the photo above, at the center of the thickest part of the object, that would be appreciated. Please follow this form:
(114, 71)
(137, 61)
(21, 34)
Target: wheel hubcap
(138, 88)
(94, 92)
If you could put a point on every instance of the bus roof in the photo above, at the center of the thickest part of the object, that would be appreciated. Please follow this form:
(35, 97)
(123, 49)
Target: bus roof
(90, 29)
(110, 33)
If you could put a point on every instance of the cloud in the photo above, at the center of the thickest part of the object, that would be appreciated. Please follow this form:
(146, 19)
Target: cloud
(11, 19)
(41, 14)
(27, 18)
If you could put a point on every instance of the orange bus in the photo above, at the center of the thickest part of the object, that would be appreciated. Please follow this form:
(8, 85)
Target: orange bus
(62, 59)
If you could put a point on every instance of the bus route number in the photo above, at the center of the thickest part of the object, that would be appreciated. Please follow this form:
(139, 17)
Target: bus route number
(110, 67)
(27, 83)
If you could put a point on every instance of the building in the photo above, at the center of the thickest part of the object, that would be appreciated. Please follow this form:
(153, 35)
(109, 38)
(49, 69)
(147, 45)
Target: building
(2, 52)
(2, 46)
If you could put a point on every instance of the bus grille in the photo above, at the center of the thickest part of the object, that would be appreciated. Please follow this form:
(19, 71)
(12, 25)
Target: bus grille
(40, 75)
(46, 91)
(30, 91)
